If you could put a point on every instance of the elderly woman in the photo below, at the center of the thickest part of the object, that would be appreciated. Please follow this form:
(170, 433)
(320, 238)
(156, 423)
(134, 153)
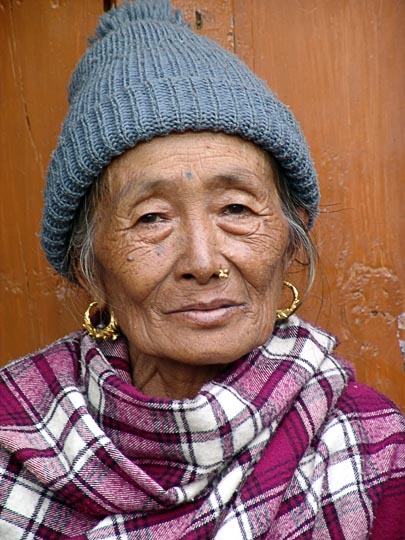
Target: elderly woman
(193, 405)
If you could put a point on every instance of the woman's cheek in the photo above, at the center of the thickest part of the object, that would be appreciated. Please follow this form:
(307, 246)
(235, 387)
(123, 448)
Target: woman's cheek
(130, 268)
(269, 238)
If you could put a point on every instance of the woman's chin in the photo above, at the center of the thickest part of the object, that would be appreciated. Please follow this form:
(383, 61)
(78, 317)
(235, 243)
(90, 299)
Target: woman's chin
(202, 342)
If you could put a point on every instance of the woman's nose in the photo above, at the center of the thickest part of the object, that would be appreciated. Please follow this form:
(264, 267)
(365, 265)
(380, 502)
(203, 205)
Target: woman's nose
(200, 254)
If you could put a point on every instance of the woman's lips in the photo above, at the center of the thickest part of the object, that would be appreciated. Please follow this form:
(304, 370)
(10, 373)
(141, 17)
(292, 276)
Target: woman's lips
(208, 314)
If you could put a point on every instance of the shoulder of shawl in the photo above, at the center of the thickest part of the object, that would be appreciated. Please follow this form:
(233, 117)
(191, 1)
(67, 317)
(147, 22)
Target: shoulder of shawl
(30, 382)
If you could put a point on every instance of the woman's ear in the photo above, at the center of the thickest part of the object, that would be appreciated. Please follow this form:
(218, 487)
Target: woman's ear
(91, 287)
(289, 255)
(294, 247)
(303, 214)
(81, 280)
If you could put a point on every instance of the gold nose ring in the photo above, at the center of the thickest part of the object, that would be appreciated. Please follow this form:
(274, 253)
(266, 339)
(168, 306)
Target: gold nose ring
(223, 273)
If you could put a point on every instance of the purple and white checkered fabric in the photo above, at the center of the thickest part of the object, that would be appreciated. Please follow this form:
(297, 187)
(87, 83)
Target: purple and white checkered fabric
(283, 445)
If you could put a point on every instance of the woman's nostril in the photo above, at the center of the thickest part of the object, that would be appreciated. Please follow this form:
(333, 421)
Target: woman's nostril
(188, 276)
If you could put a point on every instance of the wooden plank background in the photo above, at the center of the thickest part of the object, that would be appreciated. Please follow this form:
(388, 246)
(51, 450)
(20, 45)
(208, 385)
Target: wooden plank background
(339, 65)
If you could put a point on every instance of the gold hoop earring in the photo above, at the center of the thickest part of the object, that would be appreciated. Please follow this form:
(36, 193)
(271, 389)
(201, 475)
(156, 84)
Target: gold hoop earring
(110, 331)
(223, 273)
(283, 314)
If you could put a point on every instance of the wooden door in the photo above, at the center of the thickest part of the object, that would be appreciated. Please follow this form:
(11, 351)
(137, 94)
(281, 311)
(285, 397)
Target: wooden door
(339, 65)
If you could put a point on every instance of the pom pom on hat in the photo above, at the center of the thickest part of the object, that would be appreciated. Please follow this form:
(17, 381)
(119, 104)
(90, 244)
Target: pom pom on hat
(130, 12)
(146, 74)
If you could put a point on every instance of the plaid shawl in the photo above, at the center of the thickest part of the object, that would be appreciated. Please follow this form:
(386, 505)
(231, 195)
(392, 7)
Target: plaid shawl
(284, 444)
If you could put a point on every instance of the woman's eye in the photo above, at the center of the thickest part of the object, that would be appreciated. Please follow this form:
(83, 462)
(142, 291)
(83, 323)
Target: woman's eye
(150, 218)
(236, 209)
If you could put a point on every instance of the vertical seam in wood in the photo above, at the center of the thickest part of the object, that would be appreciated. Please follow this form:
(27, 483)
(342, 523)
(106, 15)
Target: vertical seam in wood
(233, 26)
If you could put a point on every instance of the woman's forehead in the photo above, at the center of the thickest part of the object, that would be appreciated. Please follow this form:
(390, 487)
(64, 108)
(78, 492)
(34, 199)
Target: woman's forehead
(218, 156)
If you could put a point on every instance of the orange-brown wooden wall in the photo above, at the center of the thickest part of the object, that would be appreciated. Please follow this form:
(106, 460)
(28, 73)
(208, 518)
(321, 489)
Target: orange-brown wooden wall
(339, 65)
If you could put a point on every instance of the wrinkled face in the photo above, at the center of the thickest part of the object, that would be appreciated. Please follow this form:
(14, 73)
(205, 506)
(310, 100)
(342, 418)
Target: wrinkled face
(180, 208)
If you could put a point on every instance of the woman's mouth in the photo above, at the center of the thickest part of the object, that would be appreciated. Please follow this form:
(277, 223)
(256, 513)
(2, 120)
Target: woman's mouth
(208, 314)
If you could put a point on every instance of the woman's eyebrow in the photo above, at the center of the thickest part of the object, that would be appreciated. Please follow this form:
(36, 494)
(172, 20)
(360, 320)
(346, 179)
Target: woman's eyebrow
(235, 177)
(243, 178)
(133, 187)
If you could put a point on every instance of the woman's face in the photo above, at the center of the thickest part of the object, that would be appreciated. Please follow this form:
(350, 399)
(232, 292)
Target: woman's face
(180, 208)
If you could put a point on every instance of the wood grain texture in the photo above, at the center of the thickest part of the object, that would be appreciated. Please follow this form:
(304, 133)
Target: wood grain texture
(41, 43)
(339, 65)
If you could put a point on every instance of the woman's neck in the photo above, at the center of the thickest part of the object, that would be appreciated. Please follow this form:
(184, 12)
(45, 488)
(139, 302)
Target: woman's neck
(162, 377)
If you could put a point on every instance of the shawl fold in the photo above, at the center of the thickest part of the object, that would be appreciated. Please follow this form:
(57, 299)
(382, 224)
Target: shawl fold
(283, 444)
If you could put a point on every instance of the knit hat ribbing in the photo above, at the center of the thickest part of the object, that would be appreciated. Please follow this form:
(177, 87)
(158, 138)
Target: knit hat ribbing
(147, 73)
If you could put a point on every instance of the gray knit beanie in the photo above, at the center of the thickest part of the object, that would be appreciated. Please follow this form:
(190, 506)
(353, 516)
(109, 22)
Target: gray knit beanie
(147, 73)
